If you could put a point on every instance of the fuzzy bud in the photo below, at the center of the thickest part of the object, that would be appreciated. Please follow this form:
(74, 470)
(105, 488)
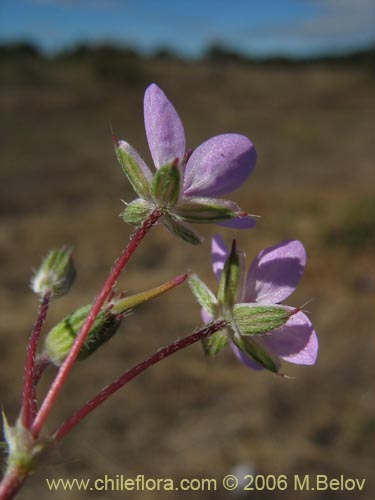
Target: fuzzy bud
(56, 273)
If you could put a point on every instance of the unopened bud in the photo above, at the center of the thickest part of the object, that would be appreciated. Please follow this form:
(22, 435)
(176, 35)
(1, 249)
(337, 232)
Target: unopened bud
(56, 273)
(60, 339)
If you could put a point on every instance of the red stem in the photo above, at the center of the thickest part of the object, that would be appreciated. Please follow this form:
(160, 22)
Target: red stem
(28, 387)
(12, 482)
(81, 337)
(40, 365)
(132, 373)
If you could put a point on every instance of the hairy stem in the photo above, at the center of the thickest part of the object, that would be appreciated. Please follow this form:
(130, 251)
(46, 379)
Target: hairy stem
(40, 365)
(12, 482)
(81, 337)
(28, 387)
(105, 393)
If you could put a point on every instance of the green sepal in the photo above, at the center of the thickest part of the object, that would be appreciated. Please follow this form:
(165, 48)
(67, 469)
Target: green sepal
(230, 278)
(203, 295)
(60, 339)
(165, 187)
(137, 211)
(56, 273)
(254, 319)
(206, 210)
(255, 352)
(215, 343)
(132, 170)
(181, 230)
(22, 448)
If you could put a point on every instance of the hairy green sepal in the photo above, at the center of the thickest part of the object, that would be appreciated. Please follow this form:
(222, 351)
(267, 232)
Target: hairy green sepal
(165, 187)
(181, 230)
(215, 343)
(133, 172)
(230, 279)
(257, 353)
(205, 210)
(137, 211)
(203, 295)
(253, 319)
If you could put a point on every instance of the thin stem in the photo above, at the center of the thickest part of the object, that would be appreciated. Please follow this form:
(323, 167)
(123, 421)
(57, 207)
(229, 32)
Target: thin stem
(28, 397)
(82, 335)
(12, 482)
(159, 355)
(40, 365)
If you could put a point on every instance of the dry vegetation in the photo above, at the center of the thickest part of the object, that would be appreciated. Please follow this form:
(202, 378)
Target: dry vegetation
(192, 417)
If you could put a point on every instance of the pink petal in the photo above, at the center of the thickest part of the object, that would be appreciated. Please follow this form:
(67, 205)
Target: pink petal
(205, 316)
(244, 358)
(295, 342)
(275, 272)
(164, 130)
(238, 223)
(219, 165)
(220, 254)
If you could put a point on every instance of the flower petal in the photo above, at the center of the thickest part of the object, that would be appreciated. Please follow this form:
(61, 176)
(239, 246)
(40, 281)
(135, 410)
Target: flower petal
(219, 165)
(220, 254)
(239, 223)
(164, 130)
(275, 272)
(244, 358)
(206, 316)
(296, 341)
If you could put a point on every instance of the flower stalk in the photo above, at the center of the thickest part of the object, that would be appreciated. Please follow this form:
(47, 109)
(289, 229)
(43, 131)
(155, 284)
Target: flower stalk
(81, 337)
(28, 399)
(130, 374)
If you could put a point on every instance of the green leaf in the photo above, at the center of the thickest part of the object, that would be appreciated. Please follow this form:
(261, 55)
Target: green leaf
(254, 319)
(215, 343)
(165, 187)
(132, 170)
(137, 211)
(181, 230)
(203, 295)
(230, 278)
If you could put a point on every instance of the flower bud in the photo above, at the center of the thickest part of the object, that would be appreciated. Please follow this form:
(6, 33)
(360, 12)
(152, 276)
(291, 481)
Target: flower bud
(56, 273)
(60, 339)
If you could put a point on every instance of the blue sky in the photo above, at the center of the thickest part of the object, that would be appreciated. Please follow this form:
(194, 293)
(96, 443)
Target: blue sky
(261, 27)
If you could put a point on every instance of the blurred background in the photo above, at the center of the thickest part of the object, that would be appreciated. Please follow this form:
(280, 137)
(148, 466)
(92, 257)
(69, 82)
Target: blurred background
(297, 77)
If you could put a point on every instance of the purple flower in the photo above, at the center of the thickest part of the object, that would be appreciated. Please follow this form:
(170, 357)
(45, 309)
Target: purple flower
(273, 276)
(217, 167)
